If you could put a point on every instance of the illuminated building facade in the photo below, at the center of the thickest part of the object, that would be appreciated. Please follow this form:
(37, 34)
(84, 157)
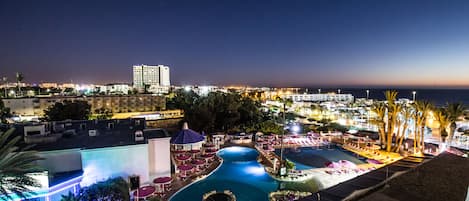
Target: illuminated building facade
(95, 151)
(150, 75)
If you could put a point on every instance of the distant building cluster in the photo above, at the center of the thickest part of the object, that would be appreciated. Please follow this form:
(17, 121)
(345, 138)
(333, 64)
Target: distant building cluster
(35, 106)
(331, 97)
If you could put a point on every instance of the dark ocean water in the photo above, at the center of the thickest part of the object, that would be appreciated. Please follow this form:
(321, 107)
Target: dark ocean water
(438, 97)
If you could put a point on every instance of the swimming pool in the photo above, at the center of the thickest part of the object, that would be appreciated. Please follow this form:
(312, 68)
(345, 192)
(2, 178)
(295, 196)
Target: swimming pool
(240, 173)
(316, 157)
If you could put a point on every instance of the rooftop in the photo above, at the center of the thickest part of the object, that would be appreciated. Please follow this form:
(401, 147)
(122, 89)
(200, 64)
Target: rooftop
(75, 134)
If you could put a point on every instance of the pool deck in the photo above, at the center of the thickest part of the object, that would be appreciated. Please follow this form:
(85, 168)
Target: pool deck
(178, 183)
(365, 181)
(328, 177)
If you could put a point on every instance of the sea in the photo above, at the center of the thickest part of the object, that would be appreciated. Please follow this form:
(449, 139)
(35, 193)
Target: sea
(439, 97)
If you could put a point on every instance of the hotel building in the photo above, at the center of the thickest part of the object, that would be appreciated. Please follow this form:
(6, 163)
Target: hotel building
(80, 153)
(114, 103)
(150, 75)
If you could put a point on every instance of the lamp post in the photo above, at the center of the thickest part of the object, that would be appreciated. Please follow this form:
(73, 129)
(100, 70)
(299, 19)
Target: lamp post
(338, 91)
(319, 90)
(413, 95)
(367, 94)
(5, 79)
(282, 165)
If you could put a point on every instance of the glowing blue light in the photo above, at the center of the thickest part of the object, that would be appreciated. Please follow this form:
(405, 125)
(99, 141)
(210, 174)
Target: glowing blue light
(235, 149)
(256, 171)
(295, 128)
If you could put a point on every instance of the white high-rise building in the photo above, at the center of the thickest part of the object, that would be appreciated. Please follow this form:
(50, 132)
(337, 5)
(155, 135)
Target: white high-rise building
(150, 75)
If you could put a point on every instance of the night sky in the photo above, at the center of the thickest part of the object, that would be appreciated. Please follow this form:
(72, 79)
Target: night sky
(272, 43)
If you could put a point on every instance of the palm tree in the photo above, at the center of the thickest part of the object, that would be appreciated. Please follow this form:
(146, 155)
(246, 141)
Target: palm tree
(403, 123)
(393, 110)
(19, 79)
(455, 112)
(380, 110)
(422, 109)
(443, 117)
(15, 164)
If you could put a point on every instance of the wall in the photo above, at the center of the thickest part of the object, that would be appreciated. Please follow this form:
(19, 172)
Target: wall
(61, 160)
(103, 163)
(159, 157)
(20, 106)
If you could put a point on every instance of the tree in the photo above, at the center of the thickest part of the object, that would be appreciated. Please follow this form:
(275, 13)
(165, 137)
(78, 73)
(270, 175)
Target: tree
(422, 109)
(216, 111)
(393, 110)
(392, 119)
(455, 111)
(19, 79)
(4, 112)
(103, 113)
(15, 164)
(443, 118)
(267, 127)
(109, 190)
(380, 110)
(76, 110)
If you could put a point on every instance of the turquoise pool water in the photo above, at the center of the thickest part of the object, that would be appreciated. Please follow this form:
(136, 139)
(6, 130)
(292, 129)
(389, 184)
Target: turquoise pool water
(316, 157)
(240, 172)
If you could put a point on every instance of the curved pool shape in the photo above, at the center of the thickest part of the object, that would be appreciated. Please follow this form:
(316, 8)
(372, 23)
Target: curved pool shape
(240, 172)
(316, 157)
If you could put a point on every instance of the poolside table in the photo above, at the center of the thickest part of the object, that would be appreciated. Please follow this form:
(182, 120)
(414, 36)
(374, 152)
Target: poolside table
(209, 145)
(183, 157)
(144, 192)
(163, 184)
(184, 169)
(179, 152)
(211, 150)
(198, 163)
(195, 151)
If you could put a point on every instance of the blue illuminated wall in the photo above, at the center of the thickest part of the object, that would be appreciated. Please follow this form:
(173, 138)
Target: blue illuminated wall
(104, 163)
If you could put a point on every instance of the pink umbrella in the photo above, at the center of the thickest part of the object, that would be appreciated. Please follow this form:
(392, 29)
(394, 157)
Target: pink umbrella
(211, 150)
(144, 191)
(347, 164)
(162, 180)
(207, 155)
(185, 167)
(333, 165)
(373, 161)
(179, 151)
(197, 162)
(163, 184)
(183, 157)
(194, 151)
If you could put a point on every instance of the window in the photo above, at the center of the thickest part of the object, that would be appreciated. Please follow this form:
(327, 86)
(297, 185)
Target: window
(110, 125)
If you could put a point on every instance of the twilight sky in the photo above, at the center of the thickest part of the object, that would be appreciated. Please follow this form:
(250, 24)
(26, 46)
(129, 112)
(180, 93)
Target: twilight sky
(274, 43)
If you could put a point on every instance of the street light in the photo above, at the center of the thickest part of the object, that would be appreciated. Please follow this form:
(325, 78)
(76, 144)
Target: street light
(413, 95)
(319, 90)
(338, 91)
(367, 94)
(282, 170)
